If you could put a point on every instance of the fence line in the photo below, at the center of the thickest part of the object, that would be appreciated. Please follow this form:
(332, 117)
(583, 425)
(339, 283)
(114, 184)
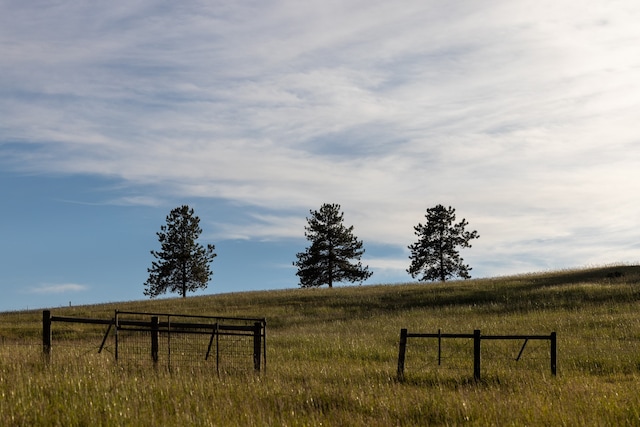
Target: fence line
(477, 338)
(192, 335)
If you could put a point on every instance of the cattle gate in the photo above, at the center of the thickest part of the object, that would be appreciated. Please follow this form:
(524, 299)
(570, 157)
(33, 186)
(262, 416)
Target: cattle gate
(226, 344)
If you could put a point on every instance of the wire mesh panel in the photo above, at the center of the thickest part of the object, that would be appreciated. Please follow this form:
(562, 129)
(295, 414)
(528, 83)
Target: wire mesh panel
(237, 351)
(175, 342)
(134, 347)
(190, 348)
(181, 342)
(78, 342)
(186, 350)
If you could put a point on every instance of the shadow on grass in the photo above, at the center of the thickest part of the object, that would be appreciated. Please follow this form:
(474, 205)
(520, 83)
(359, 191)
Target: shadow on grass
(556, 290)
(572, 289)
(451, 382)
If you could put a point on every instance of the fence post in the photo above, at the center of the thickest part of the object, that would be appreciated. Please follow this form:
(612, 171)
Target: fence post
(217, 348)
(264, 345)
(46, 334)
(257, 345)
(117, 323)
(476, 355)
(439, 346)
(401, 353)
(554, 354)
(154, 338)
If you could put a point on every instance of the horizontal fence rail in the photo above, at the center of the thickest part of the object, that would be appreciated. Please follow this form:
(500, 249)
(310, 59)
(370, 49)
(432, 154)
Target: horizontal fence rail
(176, 339)
(477, 338)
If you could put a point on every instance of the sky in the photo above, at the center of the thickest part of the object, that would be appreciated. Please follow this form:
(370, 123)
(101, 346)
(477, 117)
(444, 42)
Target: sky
(521, 114)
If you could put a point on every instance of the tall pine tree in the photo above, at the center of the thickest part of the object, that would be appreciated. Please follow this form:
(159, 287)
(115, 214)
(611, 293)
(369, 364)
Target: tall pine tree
(182, 265)
(333, 246)
(435, 255)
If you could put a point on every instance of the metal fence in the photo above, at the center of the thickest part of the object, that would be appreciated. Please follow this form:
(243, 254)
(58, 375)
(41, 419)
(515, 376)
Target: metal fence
(473, 350)
(174, 341)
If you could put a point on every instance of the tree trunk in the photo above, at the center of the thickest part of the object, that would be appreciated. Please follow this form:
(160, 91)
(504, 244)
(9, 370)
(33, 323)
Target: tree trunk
(331, 265)
(443, 277)
(184, 279)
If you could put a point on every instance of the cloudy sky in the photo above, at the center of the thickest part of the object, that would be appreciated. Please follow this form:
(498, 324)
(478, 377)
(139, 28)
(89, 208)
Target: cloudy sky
(522, 115)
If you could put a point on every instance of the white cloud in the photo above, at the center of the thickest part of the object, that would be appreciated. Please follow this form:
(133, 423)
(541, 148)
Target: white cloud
(51, 288)
(521, 114)
(136, 201)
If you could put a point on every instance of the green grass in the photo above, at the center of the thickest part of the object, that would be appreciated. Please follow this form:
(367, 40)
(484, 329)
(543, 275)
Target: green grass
(332, 359)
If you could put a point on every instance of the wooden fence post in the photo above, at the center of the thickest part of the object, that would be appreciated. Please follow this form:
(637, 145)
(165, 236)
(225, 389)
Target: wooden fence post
(554, 354)
(257, 345)
(476, 354)
(154, 338)
(401, 353)
(46, 334)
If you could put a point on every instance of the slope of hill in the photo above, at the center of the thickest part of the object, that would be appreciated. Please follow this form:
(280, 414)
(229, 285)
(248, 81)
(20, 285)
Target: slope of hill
(332, 358)
(510, 294)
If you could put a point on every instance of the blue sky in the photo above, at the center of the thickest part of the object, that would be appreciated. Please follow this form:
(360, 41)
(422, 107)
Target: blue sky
(522, 115)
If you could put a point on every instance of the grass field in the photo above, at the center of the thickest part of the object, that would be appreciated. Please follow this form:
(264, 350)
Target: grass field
(332, 359)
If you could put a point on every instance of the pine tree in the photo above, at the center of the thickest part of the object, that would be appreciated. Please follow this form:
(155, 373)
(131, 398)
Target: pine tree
(435, 255)
(182, 265)
(333, 245)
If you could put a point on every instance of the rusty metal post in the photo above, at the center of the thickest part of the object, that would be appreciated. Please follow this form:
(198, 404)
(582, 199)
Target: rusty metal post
(46, 334)
(554, 354)
(402, 350)
(154, 339)
(476, 354)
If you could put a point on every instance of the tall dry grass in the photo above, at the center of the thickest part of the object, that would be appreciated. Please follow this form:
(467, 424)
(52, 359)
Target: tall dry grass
(332, 357)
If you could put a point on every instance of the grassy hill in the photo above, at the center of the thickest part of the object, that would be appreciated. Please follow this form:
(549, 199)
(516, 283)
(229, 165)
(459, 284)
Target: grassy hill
(332, 358)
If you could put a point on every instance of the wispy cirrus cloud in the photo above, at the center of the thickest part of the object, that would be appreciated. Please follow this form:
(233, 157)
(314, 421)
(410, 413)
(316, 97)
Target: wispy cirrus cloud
(521, 114)
(58, 288)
